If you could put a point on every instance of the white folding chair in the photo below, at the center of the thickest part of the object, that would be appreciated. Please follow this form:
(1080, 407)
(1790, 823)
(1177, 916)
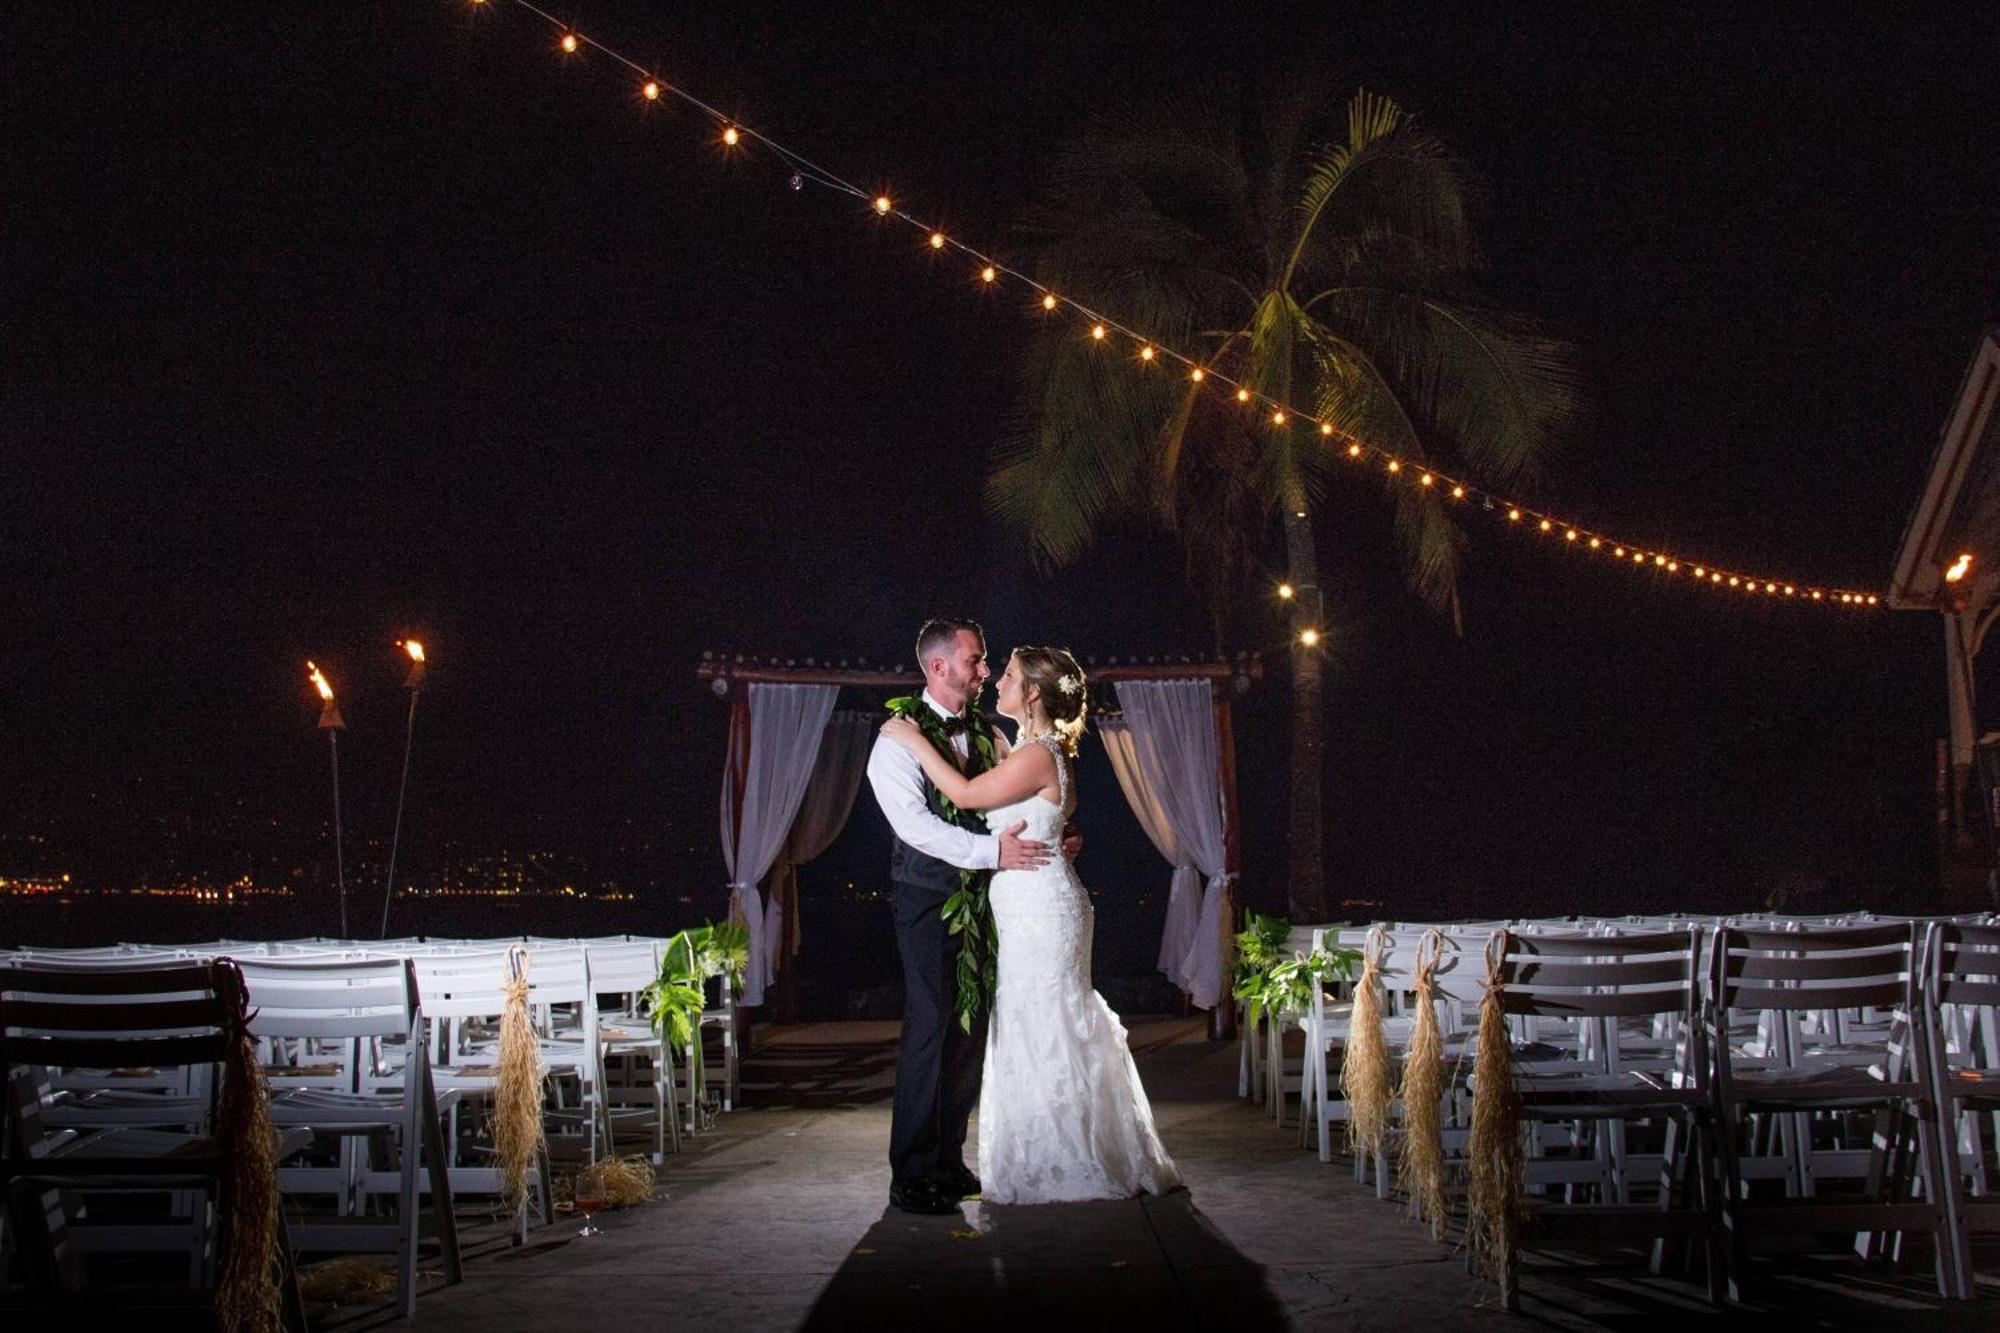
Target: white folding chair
(343, 1009)
(1961, 1000)
(141, 1170)
(1821, 1085)
(629, 1046)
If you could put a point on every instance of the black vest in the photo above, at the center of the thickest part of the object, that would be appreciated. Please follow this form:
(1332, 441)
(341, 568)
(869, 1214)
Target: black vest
(920, 870)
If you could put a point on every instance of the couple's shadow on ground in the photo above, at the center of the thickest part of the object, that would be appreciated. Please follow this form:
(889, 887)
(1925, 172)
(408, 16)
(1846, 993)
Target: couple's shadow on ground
(1148, 1262)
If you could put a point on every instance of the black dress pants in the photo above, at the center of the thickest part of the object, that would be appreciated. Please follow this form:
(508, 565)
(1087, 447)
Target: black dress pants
(939, 1063)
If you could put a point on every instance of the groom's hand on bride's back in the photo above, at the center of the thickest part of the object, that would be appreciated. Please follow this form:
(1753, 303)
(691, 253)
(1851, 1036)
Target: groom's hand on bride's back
(1019, 853)
(1072, 842)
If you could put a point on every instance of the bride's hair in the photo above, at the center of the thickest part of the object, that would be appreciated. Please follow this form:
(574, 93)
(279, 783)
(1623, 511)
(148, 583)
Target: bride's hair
(1065, 694)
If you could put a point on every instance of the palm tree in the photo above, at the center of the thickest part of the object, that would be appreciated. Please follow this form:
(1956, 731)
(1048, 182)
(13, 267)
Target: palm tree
(1332, 276)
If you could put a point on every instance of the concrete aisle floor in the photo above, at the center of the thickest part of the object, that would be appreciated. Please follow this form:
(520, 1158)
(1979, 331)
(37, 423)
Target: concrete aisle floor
(778, 1220)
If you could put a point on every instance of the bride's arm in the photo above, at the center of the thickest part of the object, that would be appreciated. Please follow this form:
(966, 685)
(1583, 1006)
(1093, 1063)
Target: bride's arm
(1015, 778)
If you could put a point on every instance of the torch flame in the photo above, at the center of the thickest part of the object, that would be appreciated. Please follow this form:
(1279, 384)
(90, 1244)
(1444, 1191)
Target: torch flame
(1958, 568)
(414, 649)
(319, 682)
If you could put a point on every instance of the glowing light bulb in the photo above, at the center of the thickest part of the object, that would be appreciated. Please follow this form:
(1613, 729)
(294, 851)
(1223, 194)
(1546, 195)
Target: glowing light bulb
(1277, 418)
(1596, 543)
(1673, 566)
(1197, 374)
(1097, 332)
(1242, 395)
(988, 274)
(1958, 568)
(1715, 578)
(1309, 637)
(1286, 591)
(730, 136)
(1458, 492)
(1546, 525)
(882, 204)
(318, 679)
(1326, 428)
(1427, 480)
(1733, 580)
(569, 43)
(1354, 451)
(1395, 465)
(1817, 594)
(1659, 560)
(652, 90)
(1873, 599)
(1049, 302)
(937, 240)
(1146, 353)
(1513, 516)
(1618, 553)
(1770, 587)
(1569, 534)
(1700, 573)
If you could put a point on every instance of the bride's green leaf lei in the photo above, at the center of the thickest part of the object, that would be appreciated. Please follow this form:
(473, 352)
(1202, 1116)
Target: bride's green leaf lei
(968, 913)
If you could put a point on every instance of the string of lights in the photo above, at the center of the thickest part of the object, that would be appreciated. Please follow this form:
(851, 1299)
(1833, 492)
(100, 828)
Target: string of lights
(1152, 353)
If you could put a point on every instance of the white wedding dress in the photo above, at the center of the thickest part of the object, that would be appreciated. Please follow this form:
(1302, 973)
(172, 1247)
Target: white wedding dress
(1062, 1115)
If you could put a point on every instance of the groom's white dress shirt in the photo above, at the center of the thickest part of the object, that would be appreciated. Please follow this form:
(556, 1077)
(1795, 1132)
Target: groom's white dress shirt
(898, 780)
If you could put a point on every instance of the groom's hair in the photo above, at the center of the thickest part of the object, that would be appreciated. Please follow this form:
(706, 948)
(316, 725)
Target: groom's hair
(937, 635)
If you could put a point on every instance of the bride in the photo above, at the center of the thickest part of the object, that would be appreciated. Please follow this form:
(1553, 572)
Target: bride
(1062, 1115)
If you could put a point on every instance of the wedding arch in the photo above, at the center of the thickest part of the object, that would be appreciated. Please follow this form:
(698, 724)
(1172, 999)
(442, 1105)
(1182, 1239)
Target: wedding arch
(795, 761)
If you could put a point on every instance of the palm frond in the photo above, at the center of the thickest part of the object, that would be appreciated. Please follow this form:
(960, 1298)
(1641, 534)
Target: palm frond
(1488, 387)
(1084, 450)
(1390, 180)
(1431, 546)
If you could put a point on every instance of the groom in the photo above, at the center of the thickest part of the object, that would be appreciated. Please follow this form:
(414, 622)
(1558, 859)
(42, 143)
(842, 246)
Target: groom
(938, 1065)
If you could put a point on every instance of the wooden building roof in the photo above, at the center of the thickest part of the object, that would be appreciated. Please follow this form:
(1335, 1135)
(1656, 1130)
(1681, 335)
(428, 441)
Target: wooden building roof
(1959, 511)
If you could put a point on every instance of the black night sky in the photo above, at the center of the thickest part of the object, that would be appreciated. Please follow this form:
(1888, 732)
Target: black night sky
(326, 323)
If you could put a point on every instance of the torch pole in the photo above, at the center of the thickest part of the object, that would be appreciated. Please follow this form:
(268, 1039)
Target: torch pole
(396, 835)
(339, 857)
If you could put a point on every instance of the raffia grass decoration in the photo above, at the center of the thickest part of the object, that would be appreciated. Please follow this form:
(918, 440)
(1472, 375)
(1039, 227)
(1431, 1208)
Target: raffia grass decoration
(249, 1263)
(352, 1280)
(1496, 1163)
(628, 1181)
(1365, 1073)
(517, 1108)
(1420, 1162)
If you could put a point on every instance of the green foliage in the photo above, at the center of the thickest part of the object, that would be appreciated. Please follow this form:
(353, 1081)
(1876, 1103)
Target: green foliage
(969, 914)
(1273, 982)
(676, 999)
(1323, 260)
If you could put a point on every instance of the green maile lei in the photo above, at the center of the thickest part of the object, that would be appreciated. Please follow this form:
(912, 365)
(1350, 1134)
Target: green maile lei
(968, 911)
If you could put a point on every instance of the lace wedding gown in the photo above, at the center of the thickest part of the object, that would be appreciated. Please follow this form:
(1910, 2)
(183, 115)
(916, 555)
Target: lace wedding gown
(1062, 1115)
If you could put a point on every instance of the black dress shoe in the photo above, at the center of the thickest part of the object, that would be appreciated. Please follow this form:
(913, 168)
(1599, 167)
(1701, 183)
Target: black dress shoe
(921, 1196)
(959, 1182)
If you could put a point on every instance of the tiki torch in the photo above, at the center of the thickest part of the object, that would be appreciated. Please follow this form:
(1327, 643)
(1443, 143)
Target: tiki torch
(414, 683)
(330, 723)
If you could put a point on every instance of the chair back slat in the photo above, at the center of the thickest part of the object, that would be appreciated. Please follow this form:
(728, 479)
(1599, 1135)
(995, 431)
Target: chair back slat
(139, 977)
(1814, 967)
(1883, 994)
(135, 1017)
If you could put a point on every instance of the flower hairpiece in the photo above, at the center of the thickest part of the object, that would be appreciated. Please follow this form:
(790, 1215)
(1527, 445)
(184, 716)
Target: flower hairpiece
(1071, 684)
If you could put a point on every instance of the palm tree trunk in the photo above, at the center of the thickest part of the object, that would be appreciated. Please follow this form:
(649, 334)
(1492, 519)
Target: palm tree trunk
(1307, 892)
